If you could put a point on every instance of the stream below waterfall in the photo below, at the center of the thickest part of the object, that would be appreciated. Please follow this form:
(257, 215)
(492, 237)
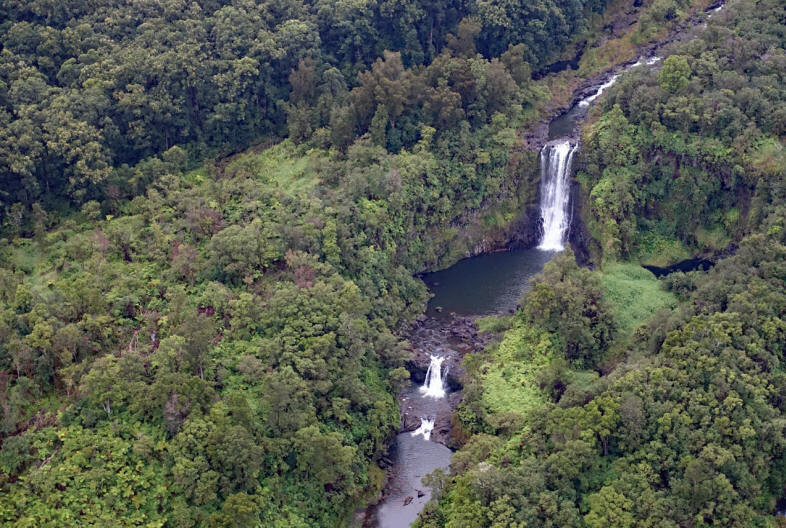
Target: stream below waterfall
(478, 286)
(482, 285)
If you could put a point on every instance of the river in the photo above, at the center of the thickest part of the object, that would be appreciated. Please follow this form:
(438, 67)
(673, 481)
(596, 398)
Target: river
(483, 285)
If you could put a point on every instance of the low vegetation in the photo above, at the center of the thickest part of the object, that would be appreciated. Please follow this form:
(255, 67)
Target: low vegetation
(212, 212)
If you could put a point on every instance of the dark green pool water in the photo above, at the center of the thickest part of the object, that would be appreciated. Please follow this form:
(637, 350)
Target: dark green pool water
(484, 285)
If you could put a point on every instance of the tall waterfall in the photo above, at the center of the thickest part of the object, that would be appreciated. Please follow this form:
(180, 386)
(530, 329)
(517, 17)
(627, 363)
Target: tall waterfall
(555, 163)
(432, 385)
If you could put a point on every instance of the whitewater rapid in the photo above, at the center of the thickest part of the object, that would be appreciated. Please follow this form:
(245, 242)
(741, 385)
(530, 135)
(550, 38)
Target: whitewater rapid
(433, 386)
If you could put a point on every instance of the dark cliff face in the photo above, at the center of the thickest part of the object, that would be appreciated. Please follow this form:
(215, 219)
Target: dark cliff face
(527, 230)
(578, 235)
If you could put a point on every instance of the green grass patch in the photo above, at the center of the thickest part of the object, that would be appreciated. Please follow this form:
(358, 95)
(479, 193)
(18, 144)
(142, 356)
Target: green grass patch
(714, 238)
(495, 323)
(634, 293)
(195, 177)
(26, 256)
(509, 377)
(769, 156)
(288, 167)
(655, 249)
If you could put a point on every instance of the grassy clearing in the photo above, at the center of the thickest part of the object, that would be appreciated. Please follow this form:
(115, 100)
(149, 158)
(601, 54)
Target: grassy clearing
(654, 249)
(509, 378)
(634, 293)
(288, 167)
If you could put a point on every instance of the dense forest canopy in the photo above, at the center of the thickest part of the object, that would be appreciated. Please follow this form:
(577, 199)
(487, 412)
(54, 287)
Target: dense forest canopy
(694, 152)
(191, 342)
(211, 217)
(87, 87)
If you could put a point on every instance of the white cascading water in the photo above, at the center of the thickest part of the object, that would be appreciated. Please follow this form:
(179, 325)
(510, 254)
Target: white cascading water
(432, 385)
(602, 88)
(555, 163)
(649, 61)
(426, 426)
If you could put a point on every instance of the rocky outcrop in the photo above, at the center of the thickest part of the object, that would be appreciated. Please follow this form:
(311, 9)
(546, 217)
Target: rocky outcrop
(578, 236)
(527, 230)
(451, 337)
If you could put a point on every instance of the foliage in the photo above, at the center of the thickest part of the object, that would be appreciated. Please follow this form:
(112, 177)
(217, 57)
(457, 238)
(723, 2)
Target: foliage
(88, 91)
(687, 427)
(676, 149)
(689, 433)
(509, 383)
(633, 294)
(568, 301)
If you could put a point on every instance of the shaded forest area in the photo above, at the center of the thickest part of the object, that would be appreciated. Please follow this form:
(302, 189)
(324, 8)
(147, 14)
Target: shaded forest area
(87, 88)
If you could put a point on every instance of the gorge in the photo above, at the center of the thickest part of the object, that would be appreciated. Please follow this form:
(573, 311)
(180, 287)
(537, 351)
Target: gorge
(485, 285)
(265, 264)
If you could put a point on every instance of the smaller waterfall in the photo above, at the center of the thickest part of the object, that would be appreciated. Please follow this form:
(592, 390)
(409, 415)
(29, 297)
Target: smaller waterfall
(649, 61)
(602, 88)
(426, 426)
(432, 385)
(555, 163)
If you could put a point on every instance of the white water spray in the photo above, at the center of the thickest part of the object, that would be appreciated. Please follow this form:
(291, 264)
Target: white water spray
(555, 163)
(649, 61)
(602, 88)
(715, 10)
(432, 385)
(426, 426)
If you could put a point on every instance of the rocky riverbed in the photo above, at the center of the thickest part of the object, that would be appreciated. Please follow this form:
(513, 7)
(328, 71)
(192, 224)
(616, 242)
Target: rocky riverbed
(413, 454)
(452, 338)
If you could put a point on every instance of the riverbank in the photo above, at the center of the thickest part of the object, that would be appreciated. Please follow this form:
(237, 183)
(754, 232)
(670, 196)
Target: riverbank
(451, 337)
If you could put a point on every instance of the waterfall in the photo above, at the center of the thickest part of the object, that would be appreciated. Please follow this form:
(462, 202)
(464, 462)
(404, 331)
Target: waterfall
(426, 426)
(602, 88)
(432, 385)
(555, 163)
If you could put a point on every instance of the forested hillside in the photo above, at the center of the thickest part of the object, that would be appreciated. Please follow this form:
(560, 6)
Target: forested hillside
(193, 338)
(86, 87)
(653, 404)
(694, 153)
